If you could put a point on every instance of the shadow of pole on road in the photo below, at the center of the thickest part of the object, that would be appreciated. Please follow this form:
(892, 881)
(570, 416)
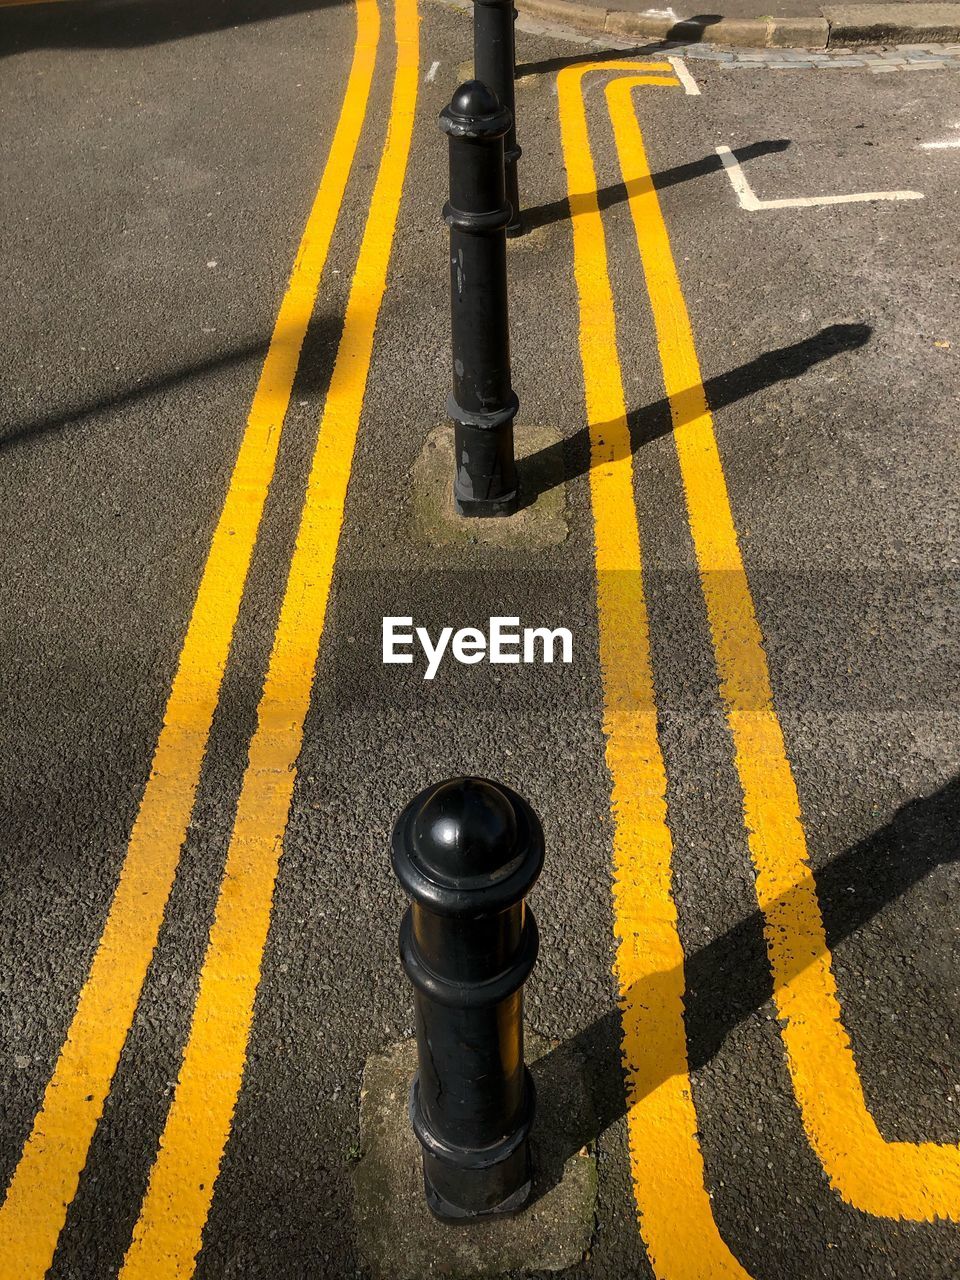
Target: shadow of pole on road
(729, 979)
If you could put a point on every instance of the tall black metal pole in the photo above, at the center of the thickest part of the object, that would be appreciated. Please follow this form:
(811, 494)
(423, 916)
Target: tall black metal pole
(483, 404)
(494, 59)
(467, 852)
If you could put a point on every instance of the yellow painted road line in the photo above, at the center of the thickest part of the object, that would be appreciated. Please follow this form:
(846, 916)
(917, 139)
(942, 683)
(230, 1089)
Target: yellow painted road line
(45, 1180)
(676, 1218)
(168, 1233)
(916, 1181)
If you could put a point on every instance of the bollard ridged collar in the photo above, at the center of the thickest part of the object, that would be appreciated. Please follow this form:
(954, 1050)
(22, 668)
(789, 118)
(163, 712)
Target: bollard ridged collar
(467, 847)
(475, 112)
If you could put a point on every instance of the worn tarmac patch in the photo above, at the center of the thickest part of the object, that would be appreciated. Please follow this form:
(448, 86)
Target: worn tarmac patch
(396, 1232)
(540, 522)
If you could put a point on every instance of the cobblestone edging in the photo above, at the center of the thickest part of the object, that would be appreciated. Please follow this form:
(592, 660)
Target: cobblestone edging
(902, 58)
(841, 26)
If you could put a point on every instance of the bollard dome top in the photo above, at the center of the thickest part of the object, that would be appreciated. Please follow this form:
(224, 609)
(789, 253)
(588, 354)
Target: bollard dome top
(474, 111)
(472, 99)
(467, 846)
(465, 829)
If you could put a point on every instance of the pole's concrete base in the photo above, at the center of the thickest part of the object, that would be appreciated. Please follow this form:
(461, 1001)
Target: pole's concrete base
(540, 520)
(399, 1237)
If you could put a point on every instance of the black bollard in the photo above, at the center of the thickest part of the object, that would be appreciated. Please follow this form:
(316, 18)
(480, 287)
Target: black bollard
(466, 852)
(483, 404)
(494, 59)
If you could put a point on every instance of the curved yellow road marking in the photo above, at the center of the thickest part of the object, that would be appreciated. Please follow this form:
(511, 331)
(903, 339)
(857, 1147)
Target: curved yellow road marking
(45, 1180)
(916, 1181)
(168, 1233)
(675, 1214)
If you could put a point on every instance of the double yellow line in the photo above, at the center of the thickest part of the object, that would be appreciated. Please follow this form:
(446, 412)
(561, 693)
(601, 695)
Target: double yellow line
(168, 1232)
(915, 1181)
(167, 1236)
(676, 1217)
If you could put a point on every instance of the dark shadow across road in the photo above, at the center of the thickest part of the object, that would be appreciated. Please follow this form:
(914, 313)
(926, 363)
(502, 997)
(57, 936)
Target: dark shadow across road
(580, 1084)
(684, 31)
(313, 374)
(619, 192)
(133, 24)
(655, 419)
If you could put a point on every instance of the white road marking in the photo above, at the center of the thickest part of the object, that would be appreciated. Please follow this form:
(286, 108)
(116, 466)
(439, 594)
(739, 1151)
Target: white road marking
(432, 73)
(685, 76)
(947, 143)
(749, 201)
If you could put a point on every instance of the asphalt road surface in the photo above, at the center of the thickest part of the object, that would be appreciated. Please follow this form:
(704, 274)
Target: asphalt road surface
(202, 754)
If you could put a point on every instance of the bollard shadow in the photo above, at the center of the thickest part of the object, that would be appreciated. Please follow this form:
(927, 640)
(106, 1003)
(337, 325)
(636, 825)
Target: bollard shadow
(580, 1085)
(546, 66)
(313, 375)
(684, 31)
(73, 413)
(544, 215)
(133, 24)
(570, 457)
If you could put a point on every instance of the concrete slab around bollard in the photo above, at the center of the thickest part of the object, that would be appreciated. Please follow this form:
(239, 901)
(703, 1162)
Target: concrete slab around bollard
(540, 520)
(396, 1233)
